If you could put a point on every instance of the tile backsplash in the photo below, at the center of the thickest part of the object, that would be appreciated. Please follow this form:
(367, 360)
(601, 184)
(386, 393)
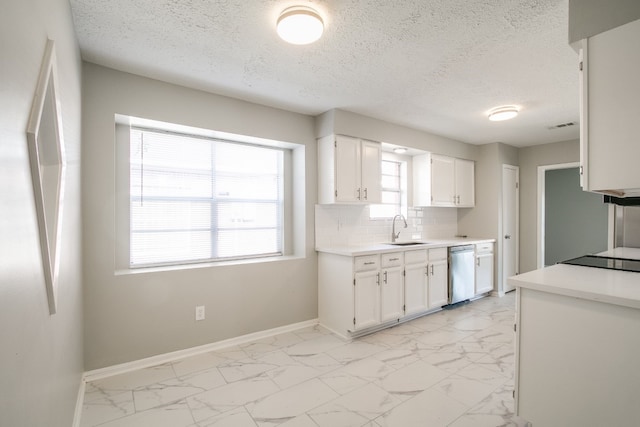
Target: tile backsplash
(350, 225)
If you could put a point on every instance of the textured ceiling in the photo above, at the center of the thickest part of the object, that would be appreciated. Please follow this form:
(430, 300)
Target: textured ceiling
(434, 65)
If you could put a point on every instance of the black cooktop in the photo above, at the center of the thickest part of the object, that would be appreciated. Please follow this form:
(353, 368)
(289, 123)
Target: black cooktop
(622, 264)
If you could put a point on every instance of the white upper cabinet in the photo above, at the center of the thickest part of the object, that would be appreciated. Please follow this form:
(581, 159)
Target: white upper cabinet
(443, 184)
(349, 170)
(443, 181)
(610, 87)
(465, 183)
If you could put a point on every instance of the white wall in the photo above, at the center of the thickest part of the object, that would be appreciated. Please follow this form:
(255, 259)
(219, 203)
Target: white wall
(132, 316)
(40, 355)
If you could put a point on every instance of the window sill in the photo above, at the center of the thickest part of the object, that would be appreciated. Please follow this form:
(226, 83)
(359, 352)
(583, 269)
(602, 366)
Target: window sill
(142, 270)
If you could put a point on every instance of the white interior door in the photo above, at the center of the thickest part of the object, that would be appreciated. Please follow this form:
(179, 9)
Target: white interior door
(510, 223)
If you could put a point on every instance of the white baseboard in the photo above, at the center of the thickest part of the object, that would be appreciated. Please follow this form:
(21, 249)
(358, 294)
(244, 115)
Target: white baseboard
(79, 403)
(159, 359)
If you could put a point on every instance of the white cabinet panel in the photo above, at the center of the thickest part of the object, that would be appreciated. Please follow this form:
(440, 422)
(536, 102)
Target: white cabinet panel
(415, 288)
(438, 278)
(438, 284)
(371, 186)
(367, 299)
(349, 170)
(610, 145)
(484, 268)
(391, 294)
(465, 183)
(347, 160)
(442, 181)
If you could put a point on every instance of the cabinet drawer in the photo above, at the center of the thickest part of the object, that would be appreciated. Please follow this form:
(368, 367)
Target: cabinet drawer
(484, 248)
(367, 262)
(415, 257)
(392, 260)
(437, 254)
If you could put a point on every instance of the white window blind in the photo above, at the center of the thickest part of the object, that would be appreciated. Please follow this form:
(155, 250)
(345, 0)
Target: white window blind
(196, 199)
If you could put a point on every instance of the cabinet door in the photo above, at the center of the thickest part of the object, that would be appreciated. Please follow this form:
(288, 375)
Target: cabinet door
(465, 183)
(610, 90)
(347, 160)
(415, 288)
(422, 180)
(366, 309)
(484, 273)
(391, 294)
(442, 180)
(438, 284)
(371, 156)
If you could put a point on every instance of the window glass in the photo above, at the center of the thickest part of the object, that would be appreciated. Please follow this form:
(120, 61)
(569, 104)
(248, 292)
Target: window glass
(393, 188)
(198, 199)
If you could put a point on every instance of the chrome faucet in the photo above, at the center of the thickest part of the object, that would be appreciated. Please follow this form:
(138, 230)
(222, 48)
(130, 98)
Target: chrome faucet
(395, 235)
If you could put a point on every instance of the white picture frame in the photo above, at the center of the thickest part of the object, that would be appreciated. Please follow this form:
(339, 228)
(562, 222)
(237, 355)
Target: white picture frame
(48, 164)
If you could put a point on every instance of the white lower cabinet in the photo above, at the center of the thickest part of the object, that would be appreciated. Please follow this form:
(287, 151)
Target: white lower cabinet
(416, 282)
(438, 278)
(366, 291)
(359, 293)
(392, 287)
(484, 268)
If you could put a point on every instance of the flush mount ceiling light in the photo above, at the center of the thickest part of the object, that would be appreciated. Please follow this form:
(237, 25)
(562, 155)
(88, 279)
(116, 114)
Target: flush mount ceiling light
(300, 25)
(400, 150)
(503, 113)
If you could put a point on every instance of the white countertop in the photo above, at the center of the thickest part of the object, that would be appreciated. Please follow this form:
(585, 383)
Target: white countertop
(628, 253)
(596, 284)
(380, 248)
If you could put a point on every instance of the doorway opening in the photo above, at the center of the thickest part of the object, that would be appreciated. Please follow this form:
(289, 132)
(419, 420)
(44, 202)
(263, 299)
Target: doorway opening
(571, 222)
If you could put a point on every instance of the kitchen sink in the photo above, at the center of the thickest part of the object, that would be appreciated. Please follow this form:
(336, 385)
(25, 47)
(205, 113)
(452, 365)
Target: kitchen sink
(407, 243)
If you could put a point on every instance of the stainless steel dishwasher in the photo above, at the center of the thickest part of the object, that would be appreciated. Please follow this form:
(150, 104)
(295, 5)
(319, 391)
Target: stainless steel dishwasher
(461, 273)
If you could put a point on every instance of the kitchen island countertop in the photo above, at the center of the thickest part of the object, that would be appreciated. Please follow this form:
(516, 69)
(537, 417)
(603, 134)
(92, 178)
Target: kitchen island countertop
(596, 284)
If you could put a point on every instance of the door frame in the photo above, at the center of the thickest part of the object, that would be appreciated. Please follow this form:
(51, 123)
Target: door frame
(501, 276)
(542, 170)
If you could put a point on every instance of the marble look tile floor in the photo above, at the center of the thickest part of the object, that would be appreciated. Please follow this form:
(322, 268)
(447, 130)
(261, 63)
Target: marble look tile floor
(451, 368)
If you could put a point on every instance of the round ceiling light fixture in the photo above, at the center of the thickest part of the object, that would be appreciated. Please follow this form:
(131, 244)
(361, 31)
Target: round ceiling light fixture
(400, 150)
(300, 25)
(506, 112)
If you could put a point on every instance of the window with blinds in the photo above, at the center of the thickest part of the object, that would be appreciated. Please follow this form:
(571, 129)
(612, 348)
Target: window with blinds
(197, 199)
(392, 191)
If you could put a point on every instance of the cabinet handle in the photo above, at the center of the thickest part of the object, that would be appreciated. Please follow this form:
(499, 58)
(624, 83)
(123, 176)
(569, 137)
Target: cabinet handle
(369, 263)
(458, 197)
(426, 271)
(432, 269)
(478, 261)
(394, 259)
(359, 194)
(378, 279)
(366, 195)
(385, 277)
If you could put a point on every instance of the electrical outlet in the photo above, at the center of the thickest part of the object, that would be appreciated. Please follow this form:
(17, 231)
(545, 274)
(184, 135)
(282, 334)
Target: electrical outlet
(200, 312)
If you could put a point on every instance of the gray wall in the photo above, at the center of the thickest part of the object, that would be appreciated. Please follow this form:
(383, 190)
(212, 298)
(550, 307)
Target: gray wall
(590, 17)
(576, 221)
(530, 159)
(348, 123)
(40, 355)
(133, 316)
(484, 219)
